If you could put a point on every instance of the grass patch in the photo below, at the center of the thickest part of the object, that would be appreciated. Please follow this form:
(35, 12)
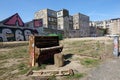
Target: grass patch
(88, 48)
(43, 66)
(35, 68)
(24, 71)
(52, 77)
(89, 62)
(22, 67)
(75, 76)
(3, 70)
(12, 44)
(3, 62)
(18, 52)
(3, 56)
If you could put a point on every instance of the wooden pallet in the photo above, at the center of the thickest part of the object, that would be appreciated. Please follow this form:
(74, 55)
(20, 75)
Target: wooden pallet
(45, 73)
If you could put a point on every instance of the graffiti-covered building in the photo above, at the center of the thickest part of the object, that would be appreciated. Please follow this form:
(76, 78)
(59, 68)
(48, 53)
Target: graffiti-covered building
(14, 29)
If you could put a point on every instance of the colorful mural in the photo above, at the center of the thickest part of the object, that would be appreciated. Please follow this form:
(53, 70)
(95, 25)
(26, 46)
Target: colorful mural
(13, 29)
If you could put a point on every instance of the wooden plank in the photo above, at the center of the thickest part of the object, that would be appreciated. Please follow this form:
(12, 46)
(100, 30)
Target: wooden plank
(46, 41)
(31, 51)
(52, 48)
(58, 60)
(46, 73)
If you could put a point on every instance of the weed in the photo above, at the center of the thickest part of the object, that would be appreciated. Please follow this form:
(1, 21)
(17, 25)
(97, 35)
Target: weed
(43, 66)
(36, 68)
(22, 67)
(3, 56)
(18, 52)
(89, 62)
(24, 71)
(75, 76)
(52, 77)
(85, 47)
(3, 70)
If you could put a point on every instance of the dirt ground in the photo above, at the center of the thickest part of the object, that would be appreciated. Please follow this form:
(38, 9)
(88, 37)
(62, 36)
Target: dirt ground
(14, 59)
(108, 70)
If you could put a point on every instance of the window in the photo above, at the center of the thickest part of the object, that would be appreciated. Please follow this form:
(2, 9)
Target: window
(44, 25)
(58, 20)
(27, 25)
(59, 13)
(49, 19)
(55, 20)
(52, 19)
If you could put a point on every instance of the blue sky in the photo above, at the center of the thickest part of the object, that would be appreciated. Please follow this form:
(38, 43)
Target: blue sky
(95, 9)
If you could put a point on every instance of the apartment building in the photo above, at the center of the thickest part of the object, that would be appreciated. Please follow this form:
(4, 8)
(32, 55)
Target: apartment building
(63, 22)
(70, 22)
(49, 18)
(101, 24)
(112, 25)
(81, 22)
(62, 19)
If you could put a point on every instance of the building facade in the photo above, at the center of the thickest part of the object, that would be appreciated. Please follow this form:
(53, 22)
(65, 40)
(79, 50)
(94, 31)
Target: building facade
(112, 25)
(101, 24)
(61, 20)
(70, 22)
(81, 22)
(49, 18)
(36, 25)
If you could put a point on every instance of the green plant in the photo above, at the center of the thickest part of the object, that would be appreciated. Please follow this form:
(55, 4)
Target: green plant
(3, 70)
(22, 67)
(89, 62)
(36, 68)
(52, 77)
(43, 66)
(75, 76)
(24, 71)
(3, 56)
(39, 67)
(60, 36)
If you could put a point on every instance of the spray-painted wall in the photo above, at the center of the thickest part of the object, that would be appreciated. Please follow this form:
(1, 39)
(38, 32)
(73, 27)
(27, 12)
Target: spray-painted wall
(14, 34)
(14, 29)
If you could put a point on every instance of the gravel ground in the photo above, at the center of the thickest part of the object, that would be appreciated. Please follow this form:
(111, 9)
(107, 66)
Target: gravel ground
(109, 70)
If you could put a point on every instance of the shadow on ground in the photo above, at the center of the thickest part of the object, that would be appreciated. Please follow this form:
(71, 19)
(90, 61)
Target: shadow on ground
(67, 58)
